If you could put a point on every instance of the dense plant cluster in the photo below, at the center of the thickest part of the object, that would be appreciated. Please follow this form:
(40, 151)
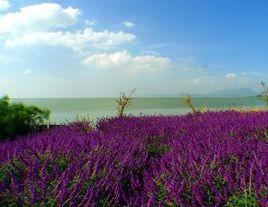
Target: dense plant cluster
(18, 119)
(209, 159)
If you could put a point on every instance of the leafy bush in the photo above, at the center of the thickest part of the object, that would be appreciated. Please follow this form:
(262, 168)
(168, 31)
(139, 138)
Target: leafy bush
(18, 119)
(247, 198)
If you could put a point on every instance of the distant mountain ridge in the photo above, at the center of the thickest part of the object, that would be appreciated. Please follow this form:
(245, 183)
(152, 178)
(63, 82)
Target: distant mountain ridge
(239, 92)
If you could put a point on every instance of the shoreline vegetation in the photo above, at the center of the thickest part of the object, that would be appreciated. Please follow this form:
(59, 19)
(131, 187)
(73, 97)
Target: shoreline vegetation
(17, 119)
(203, 158)
(34, 119)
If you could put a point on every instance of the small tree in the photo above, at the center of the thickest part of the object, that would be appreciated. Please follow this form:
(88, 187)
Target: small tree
(188, 102)
(264, 93)
(18, 119)
(123, 102)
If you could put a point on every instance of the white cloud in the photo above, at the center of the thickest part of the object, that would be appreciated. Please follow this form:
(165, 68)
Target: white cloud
(44, 23)
(4, 5)
(128, 24)
(90, 23)
(47, 23)
(149, 52)
(188, 64)
(252, 74)
(122, 60)
(3, 59)
(214, 65)
(230, 76)
(195, 81)
(7, 60)
(27, 71)
(39, 17)
(75, 40)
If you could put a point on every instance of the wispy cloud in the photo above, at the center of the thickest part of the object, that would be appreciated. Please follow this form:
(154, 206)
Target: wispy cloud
(27, 71)
(189, 64)
(4, 5)
(128, 24)
(214, 65)
(195, 81)
(90, 23)
(253, 74)
(6, 60)
(122, 60)
(230, 76)
(77, 41)
(149, 52)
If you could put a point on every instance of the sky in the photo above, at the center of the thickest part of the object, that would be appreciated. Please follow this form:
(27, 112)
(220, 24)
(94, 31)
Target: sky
(99, 48)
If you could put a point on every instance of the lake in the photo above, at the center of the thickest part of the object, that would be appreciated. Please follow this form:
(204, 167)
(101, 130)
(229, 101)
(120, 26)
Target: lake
(67, 109)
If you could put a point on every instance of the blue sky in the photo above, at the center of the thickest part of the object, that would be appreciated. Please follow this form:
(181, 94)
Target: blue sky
(97, 48)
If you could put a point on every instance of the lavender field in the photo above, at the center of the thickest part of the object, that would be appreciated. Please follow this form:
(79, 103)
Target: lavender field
(209, 159)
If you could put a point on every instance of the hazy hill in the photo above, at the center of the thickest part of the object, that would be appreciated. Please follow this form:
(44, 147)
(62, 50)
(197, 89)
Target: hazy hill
(240, 92)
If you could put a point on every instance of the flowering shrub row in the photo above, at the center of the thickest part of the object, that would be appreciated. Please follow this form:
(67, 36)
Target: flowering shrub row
(209, 159)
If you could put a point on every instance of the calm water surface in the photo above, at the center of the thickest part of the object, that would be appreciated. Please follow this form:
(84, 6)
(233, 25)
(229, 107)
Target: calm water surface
(67, 109)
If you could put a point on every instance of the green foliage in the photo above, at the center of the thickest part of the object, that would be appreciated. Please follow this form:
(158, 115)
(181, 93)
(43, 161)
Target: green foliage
(209, 193)
(243, 199)
(101, 202)
(91, 180)
(75, 180)
(18, 119)
(156, 151)
(62, 162)
(48, 202)
(4, 169)
(264, 93)
(8, 199)
(162, 192)
(266, 135)
(15, 168)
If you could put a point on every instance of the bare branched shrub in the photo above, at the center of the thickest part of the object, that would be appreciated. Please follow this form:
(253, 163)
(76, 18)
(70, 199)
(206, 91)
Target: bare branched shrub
(83, 123)
(264, 93)
(123, 102)
(188, 102)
